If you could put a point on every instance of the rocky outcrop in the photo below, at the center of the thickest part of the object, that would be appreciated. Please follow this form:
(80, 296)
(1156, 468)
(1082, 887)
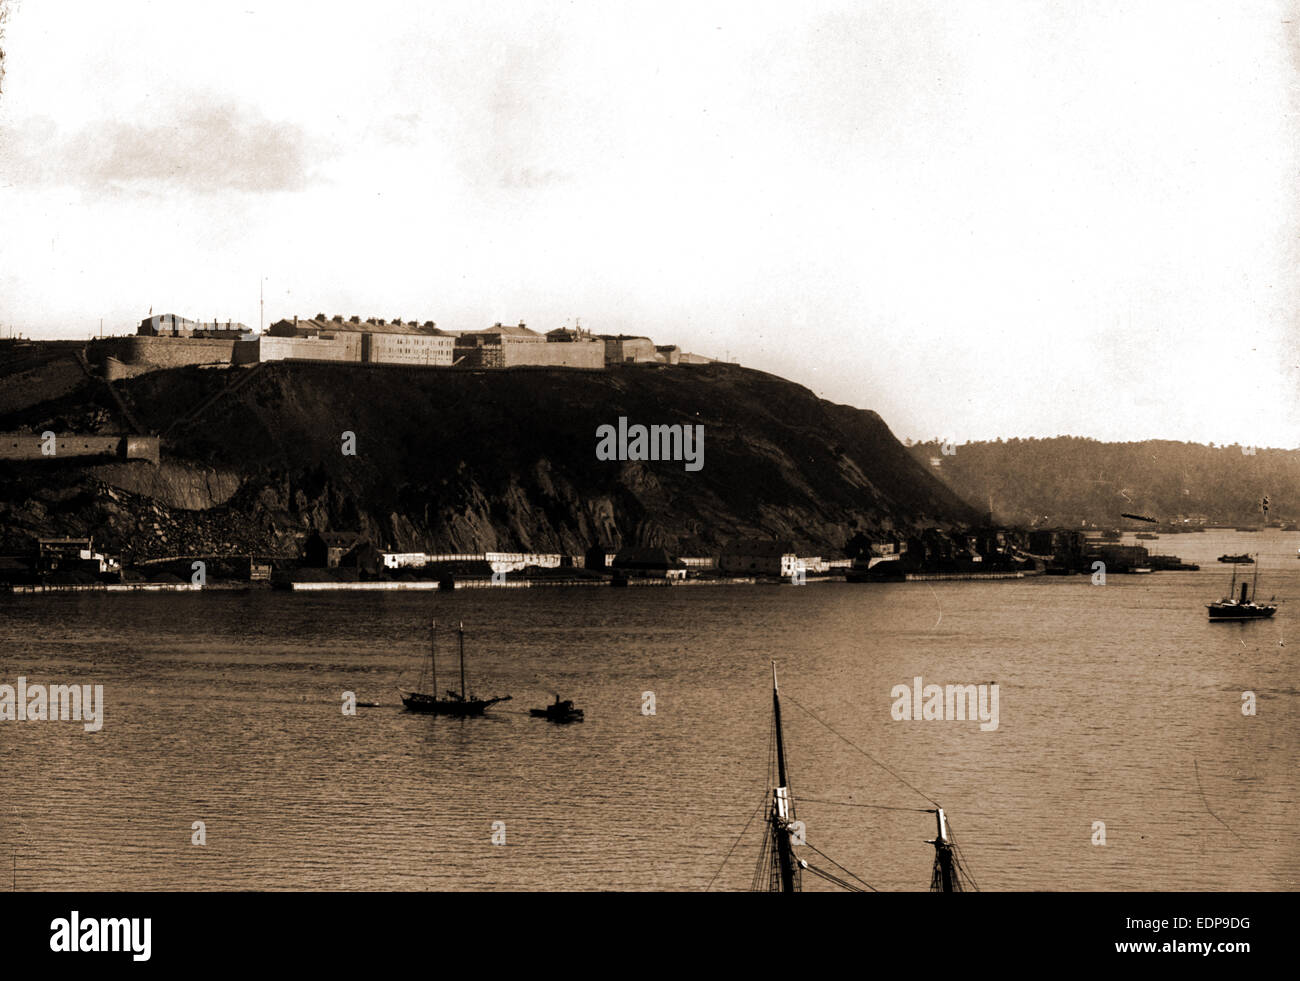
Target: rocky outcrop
(457, 461)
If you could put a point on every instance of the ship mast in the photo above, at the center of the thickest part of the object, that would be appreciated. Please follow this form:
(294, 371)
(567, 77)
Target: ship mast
(944, 880)
(782, 814)
(461, 631)
(1254, 589)
(433, 658)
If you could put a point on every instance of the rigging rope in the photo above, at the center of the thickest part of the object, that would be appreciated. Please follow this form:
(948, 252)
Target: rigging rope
(771, 752)
(809, 844)
(762, 871)
(882, 807)
(733, 846)
(959, 857)
(862, 751)
(833, 878)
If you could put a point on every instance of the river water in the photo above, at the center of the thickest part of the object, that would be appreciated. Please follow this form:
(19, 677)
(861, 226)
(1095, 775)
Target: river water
(1118, 704)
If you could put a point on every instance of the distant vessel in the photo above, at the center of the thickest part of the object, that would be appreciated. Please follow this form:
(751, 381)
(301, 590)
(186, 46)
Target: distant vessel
(1245, 607)
(558, 711)
(1244, 528)
(1146, 534)
(1242, 559)
(451, 703)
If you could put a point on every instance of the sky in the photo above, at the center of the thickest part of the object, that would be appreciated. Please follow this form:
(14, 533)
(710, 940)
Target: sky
(980, 219)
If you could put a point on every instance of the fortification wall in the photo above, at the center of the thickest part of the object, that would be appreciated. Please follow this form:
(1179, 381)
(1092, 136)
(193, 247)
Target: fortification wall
(344, 346)
(163, 352)
(472, 356)
(556, 354)
(246, 351)
(620, 350)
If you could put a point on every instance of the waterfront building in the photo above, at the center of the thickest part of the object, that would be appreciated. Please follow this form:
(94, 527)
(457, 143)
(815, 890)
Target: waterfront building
(407, 560)
(326, 549)
(759, 556)
(600, 557)
(650, 563)
(73, 554)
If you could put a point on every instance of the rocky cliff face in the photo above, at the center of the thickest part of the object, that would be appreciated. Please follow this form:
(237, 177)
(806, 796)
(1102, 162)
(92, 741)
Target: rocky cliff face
(466, 462)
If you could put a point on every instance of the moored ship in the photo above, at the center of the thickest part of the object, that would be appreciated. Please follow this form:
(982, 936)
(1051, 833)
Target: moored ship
(450, 703)
(1243, 607)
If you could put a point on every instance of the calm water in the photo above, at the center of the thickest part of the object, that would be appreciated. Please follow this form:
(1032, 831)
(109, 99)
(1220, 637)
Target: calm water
(225, 709)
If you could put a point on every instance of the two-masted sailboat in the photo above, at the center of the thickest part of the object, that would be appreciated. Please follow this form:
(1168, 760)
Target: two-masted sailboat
(450, 703)
(1243, 607)
(780, 867)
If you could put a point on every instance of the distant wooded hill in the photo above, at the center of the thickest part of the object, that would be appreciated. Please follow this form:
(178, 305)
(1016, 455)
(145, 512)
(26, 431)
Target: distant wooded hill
(1069, 479)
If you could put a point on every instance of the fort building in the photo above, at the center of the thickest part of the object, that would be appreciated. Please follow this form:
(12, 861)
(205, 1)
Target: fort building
(170, 325)
(501, 346)
(366, 342)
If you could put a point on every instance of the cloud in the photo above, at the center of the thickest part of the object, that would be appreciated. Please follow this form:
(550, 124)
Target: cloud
(533, 177)
(398, 129)
(200, 148)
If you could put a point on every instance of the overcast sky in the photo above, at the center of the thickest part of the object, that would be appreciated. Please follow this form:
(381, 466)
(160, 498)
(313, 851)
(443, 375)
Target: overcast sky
(979, 218)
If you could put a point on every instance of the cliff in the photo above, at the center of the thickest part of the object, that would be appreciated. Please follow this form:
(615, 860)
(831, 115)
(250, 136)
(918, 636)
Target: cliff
(457, 461)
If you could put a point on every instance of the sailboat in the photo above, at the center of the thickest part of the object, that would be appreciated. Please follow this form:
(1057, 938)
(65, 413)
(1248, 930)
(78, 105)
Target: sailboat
(1245, 607)
(451, 703)
(780, 867)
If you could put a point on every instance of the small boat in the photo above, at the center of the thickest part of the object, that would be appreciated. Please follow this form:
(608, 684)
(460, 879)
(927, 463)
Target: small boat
(558, 711)
(1146, 535)
(1242, 559)
(1244, 607)
(451, 703)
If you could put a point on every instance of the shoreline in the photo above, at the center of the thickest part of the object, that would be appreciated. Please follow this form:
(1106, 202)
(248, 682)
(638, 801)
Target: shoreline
(434, 585)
